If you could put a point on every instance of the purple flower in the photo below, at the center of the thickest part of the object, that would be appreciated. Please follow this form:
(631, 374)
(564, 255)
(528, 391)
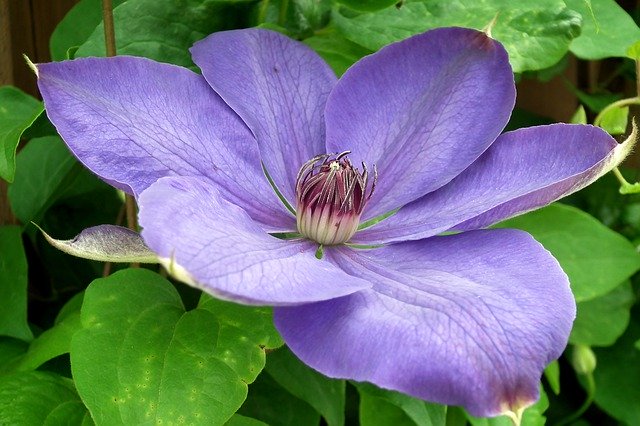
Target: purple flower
(469, 318)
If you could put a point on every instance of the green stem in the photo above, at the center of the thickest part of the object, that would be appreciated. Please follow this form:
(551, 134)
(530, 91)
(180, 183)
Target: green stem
(591, 392)
(617, 104)
(626, 187)
(619, 176)
(637, 78)
(262, 11)
(282, 16)
(109, 30)
(110, 47)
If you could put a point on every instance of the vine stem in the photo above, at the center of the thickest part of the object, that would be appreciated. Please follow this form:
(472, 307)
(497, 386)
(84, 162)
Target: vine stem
(282, 15)
(110, 47)
(598, 120)
(109, 31)
(591, 391)
(617, 104)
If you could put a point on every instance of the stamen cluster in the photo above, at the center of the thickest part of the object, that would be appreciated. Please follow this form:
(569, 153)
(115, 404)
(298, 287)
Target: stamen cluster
(331, 195)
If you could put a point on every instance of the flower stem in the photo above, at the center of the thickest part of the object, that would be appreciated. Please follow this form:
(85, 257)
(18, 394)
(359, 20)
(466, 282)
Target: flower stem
(282, 16)
(262, 12)
(109, 31)
(110, 47)
(637, 78)
(591, 392)
(625, 186)
(617, 104)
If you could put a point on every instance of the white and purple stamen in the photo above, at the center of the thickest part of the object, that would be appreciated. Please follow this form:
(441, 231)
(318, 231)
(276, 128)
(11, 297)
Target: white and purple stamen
(330, 197)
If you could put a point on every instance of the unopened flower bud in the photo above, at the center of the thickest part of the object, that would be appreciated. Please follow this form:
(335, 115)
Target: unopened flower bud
(583, 359)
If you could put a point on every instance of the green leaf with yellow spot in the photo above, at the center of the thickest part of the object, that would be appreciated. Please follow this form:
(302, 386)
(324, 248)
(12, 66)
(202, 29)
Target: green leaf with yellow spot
(141, 358)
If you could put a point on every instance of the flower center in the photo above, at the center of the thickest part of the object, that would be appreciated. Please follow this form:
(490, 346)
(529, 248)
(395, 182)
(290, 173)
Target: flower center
(331, 195)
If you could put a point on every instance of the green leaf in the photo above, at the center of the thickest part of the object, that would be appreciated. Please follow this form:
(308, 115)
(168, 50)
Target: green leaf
(376, 411)
(602, 320)
(38, 398)
(536, 34)
(533, 416)
(595, 258)
(17, 111)
(336, 50)
(633, 51)
(68, 413)
(298, 19)
(326, 395)
(255, 323)
(552, 374)
(141, 358)
(607, 30)
(596, 102)
(270, 403)
(238, 420)
(11, 351)
(76, 27)
(246, 331)
(616, 377)
(615, 120)
(384, 407)
(13, 285)
(51, 343)
(70, 308)
(164, 30)
(580, 116)
(45, 171)
(370, 5)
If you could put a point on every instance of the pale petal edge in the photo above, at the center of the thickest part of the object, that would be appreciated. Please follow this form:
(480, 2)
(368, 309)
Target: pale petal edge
(105, 243)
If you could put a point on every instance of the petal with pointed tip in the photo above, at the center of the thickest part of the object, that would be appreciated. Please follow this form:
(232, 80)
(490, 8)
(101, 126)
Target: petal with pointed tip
(523, 170)
(132, 121)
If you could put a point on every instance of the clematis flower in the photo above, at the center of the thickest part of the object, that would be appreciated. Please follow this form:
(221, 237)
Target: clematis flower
(268, 181)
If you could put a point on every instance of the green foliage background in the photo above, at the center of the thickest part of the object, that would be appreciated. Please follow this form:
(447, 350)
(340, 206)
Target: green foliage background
(134, 348)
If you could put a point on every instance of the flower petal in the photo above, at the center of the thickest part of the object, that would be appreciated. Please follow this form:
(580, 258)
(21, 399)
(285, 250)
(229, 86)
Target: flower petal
(523, 170)
(213, 244)
(421, 110)
(132, 121)
(469, 319)
(279, 87)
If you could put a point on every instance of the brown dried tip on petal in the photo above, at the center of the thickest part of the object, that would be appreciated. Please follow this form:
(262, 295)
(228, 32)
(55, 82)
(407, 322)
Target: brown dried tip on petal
(331, 195)
(487, 29)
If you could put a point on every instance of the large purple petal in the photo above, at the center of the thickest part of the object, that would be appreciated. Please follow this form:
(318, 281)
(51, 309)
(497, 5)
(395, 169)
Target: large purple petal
(469, 319)
(279, 87)
(213, 244)
(523, 170)
(421, 110)
(132, 121)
